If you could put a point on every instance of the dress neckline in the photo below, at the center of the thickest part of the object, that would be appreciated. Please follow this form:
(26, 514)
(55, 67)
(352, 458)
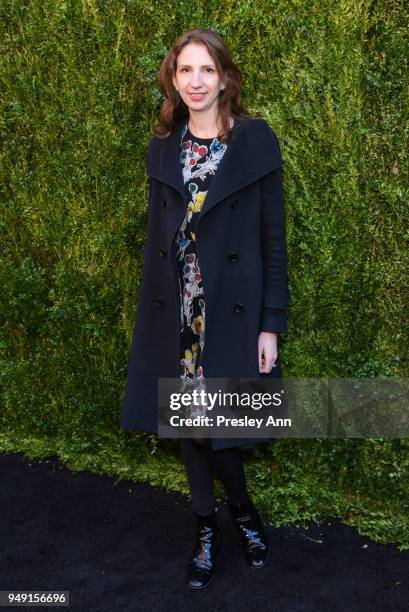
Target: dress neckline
(198, 138)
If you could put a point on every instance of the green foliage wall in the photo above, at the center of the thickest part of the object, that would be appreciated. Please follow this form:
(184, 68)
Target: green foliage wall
(78, 93)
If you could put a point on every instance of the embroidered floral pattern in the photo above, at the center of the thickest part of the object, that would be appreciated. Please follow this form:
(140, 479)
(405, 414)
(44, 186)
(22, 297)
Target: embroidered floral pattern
(199, 159)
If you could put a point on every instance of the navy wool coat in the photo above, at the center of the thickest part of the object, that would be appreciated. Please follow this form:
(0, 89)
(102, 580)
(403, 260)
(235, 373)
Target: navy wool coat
(242, 254)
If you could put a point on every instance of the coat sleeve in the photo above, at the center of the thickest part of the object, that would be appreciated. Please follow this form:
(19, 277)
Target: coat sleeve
(276, 294)
(148, 161)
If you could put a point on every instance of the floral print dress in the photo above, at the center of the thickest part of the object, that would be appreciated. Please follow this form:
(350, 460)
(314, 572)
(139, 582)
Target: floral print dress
(199, 159)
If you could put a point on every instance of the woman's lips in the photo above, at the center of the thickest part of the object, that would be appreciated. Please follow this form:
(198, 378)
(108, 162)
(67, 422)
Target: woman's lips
(197, 96)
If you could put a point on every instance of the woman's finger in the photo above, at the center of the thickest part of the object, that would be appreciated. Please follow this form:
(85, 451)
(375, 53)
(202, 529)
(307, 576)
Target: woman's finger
(260, 358)
(267, 361)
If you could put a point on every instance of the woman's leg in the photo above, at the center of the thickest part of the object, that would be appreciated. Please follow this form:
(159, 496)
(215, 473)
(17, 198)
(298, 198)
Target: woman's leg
(200, 461)
(199, 472)
(229, 468)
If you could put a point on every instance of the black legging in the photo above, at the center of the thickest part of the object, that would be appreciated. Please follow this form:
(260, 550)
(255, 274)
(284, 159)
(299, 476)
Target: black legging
(201, 461)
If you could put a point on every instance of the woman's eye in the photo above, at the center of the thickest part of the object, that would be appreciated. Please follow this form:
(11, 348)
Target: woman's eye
(208, 69)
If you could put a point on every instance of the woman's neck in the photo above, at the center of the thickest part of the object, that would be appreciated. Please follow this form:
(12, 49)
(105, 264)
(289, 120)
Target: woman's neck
(202, 128)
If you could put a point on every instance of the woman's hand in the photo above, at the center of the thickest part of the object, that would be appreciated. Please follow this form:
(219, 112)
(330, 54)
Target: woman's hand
(267, 351)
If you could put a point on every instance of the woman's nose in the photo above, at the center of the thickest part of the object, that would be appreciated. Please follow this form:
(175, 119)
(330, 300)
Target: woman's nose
(196, 79)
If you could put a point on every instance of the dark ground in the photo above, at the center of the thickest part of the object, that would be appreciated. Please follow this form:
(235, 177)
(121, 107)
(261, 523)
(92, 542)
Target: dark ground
(120, 546)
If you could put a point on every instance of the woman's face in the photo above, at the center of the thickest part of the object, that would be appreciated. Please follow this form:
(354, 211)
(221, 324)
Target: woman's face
(196, 73)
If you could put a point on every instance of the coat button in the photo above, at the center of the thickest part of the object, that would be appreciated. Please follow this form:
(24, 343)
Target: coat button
(238, 307)
(234, 204)
(233, 257)
(163, 252)
(163, 202)
(159, 302)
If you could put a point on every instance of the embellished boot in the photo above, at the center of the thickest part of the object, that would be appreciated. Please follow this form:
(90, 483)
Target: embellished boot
(252, 534)
(207, 544)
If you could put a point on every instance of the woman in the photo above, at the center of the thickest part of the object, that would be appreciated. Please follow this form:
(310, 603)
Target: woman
(214, 288)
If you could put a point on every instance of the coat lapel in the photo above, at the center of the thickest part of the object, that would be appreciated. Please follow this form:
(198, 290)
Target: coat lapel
(252, 152)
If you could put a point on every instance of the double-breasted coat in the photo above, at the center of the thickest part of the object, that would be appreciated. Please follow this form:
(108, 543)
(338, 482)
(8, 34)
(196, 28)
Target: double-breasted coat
(241, 246)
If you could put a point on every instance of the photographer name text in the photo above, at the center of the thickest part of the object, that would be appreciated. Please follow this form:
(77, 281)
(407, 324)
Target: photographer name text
(206, 421)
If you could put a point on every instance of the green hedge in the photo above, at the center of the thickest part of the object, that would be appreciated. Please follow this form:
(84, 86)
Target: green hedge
(79, 91)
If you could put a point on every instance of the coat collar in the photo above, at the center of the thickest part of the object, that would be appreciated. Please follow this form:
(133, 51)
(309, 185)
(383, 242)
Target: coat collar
(252, 151)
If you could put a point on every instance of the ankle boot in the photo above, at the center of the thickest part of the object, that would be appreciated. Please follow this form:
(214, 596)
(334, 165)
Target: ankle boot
(207, 544)
(252, 534)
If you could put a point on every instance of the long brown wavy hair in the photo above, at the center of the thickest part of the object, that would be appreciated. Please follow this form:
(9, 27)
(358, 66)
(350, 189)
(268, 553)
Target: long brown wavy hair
(173, 108)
